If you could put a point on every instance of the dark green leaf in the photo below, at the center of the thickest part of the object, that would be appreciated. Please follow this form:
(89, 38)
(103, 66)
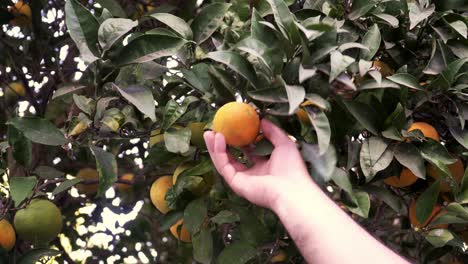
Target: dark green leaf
(395, 202)
(340, 178)
(113, 29)
(195, 214)
(460, 135)
(434, 151)
(237, 63)
(427, 201)
(405, 79)
(140, 97)
(375, 156)
(285, 20)
(63, 186)
(364, 114)
(371, 40)
(21, 146)
(271, 95)
(208, 20)
(325, 164)
(338, 64)
(85, 104)
(107, 168)
(362, 200)
(39, 130)
(173, 111)
(391, 20)
(225, 217)
(237, 253)
(175, 23)
(21, 188)
(203, 246)
(410, 157)
(48, 173)
(439, 237)
(113, 6)
(321, 125)
(67, 89)
(170, 219)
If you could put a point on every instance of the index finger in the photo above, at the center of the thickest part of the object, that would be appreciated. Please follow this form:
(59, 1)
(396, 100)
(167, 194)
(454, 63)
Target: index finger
(276, 136)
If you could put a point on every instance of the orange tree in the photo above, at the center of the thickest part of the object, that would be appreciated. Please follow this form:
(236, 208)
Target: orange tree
(106, 94)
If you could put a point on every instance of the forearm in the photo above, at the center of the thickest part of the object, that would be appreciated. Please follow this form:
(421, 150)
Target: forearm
(324, 233)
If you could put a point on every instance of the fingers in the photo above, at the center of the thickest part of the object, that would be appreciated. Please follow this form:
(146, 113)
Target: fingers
(225, 164)
(276, 136)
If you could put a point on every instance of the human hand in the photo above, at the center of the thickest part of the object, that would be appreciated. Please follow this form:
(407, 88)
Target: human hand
(265, 182)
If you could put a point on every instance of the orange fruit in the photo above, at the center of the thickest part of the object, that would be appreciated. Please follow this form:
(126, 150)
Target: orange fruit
(406, 179)
(7, 235)
(158, 192)
(383, 68)
(87, 174)
(436, 211)
(302, 114)
(456, 169)
(123, 186)
(427, 130)
(22, 14)
(279, 257)
(13, 91)
(238, 122)
(184, 234)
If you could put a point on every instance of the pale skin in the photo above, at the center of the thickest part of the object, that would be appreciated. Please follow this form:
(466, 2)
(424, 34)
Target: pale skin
(321, 230)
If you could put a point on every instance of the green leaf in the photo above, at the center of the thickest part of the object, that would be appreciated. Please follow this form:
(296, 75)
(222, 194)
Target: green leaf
(397, 118)
(67, 89)
(417, 13)
(296, 95)
(203, 246)
(405, 79)
(448, 76)
(395, 202)
(194, 215)
(324, 165)
(439, 237)
(175, 23)
(391, 20)
(460, 135)
(107, 168)
(39, 130)
(426, 202)
(362, 200)
(410, 157)
(463, 195)
(140, 97)
(35, 255)
(149, 47)
(225, 217)
(458, 210)
(364, 114)
(236, 253)
(208, 20)
(338, 64)
(434, 151)
(237, 63)
(173, 111)
(321, 125)
(21, 188)
(65, 185)
(285, 20)
(177, 140)
(113, 29)
(48, 173)
(460, 27)
(371, 40)
(270, 95)
(170, 219)
(113, 6)
(341, 178)
(375, 156)
(85, 104)
(83, 27)
(158, 154)
(447, 219)
(21, 146)
(361, 8)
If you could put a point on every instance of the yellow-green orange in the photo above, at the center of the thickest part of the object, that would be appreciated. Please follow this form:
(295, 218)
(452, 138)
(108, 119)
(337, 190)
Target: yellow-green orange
(158, 193)
(456, 169)
(39, 222)
(279, 257)
(238, 122)
(183, 235)
(7, 235)
(87, 174)
(14, 90)
(427, 130)
(197, 129)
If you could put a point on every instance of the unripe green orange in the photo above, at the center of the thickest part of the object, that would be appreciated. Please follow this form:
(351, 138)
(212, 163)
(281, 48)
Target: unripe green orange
(39, 222)
(88, 174)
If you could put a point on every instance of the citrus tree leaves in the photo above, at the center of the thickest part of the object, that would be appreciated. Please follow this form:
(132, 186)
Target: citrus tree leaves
(21, 188)
(203, 246)
(237, 253)
(140, 97)
(107, 168)
(194, 215)
(175, 23)
(410, 157)
(149, 47)
(426, 202)
(83, 27)
(65, 185)
(405, 79)
(177, 140)
(36, 255)
(375, 156)
(371, 40)
(39, 130)
(113, 29)
(208, 20)
(237, 63)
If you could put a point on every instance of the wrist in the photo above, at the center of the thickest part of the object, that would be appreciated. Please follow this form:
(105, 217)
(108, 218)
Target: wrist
(294, 193)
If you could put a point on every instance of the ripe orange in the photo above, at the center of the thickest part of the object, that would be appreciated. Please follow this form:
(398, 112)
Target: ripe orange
(427, 130)
(123, 186)
(279, 257)
(238, 122)
(406, 179)
(158, 192)
(302, 114)
(22, 14)
(436, 211)
(87, 174)
(184, 235)
(7, 235)
(39, 222)
(383, 68)
(456, 169)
